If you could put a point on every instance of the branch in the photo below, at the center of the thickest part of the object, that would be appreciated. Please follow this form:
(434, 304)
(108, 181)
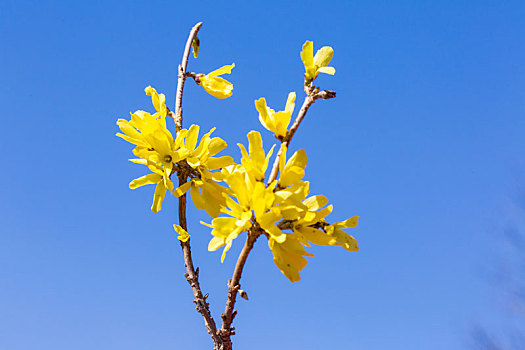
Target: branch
(227, 330)
(312, 94)
(192, 274)
(182, 76)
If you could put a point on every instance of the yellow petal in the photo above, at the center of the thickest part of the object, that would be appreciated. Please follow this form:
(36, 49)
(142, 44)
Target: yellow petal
(299, 159)
(193, 162)
(159, 100)
(327, 70)
(267, 160)
(237, 183)
(145, 180)
(223, 70)
(219, 162)
(294, 170)
(345, 240)
(316, 236)
(258, 202)
(216, 243)
(205, 224)
(323, 56)
(226, 248)
(315, 202)
(282, 158)
(325, 211)
(192, 137)
(203, 145)
(217, 86)
(179, 191)
(196, 197)
(158, 197)
(264, 117)
(216, 145)
(290, 102)
(287, 261)
(256, 148)
(350, 223)
(179, 140)
(307, 54)
(211, 204)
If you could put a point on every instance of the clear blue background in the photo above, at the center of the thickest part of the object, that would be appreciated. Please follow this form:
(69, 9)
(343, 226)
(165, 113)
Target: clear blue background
(424, 141)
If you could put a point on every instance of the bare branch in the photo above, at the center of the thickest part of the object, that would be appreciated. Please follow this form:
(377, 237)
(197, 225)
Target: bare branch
(312, 94)
(182, 76)
(227, 330)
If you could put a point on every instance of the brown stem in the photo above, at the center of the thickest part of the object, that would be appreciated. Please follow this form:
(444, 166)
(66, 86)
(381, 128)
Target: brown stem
(192, 274)
(182, 76)
(308, 101)
(227, 330)
(312, 94)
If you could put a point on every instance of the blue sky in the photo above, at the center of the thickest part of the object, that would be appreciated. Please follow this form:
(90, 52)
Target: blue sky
(424, 142)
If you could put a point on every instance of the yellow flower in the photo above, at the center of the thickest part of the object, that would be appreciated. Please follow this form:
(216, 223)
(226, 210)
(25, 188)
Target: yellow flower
(305, 217)
(318, 63)
(150, 134)
(205, 192)
(342, 238)
(155, 146)
(308, 227)
(249, 200)
(281, 210)
(276, 122)
(215, 85)
(225, 230)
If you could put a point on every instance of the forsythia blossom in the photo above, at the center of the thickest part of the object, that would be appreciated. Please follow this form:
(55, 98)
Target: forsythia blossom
(164, 155)
(318, 63)
(277, 122)
(282, 211)
(246, 181)
(215, 85)
(205, 192)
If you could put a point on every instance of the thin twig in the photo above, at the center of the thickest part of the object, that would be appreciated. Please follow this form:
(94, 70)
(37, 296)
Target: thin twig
(312, 94)
(233, 287)
(192, 274)
(182, 76)
(227, 330)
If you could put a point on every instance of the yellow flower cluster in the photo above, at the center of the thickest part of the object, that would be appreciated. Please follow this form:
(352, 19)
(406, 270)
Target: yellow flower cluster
(282, 211)
(165, 155)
